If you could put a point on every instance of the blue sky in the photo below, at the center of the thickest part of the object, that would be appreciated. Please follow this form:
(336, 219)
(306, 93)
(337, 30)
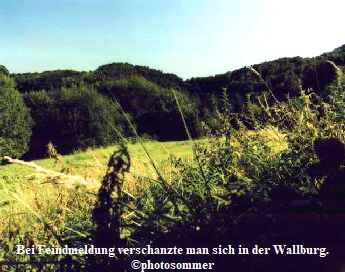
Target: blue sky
(187, 37)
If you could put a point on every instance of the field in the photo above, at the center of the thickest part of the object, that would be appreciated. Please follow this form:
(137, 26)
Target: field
(28, 205)
(84, 161)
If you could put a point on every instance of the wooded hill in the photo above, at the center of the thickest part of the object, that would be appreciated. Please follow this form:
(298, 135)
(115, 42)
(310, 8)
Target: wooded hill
(76, 109)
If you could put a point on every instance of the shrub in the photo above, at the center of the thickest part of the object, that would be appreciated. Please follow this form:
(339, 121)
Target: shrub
(15, 120)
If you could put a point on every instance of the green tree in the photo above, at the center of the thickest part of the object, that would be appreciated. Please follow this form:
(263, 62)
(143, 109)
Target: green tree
(154, 108)
(15, 120)
(3, 70)
(74, 118)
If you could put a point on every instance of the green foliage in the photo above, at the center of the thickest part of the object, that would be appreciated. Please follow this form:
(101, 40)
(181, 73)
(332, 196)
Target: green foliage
(114, 71)
(15, 120)
(284, 76)
(74, 118)
(242, 184)
(336, 56)
(241, 188)
(4, 70)
(144, 92)
(48, 80)
(153, 107)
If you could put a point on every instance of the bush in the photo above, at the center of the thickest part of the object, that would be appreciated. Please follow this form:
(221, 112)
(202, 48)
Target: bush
(15, 120)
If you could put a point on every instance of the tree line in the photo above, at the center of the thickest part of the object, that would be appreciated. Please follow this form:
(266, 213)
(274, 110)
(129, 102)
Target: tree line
(76, 110)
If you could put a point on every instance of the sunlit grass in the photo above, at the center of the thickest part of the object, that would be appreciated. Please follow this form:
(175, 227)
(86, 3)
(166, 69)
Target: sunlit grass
(275, 139)
(28, 205)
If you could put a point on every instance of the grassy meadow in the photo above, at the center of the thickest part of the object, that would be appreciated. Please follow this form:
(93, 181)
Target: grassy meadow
(26, 201)
(29, 204)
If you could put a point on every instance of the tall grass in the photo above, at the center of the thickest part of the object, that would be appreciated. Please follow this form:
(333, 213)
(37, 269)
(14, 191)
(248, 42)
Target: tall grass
(226, 193)
(229, 187)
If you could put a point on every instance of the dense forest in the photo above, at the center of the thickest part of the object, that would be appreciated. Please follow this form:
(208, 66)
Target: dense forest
(76, 110)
